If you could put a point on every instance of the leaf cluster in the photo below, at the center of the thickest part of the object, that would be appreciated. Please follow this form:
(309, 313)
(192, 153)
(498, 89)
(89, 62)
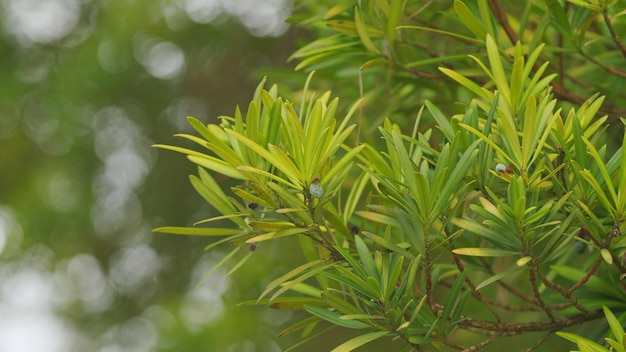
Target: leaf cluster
(520, 194)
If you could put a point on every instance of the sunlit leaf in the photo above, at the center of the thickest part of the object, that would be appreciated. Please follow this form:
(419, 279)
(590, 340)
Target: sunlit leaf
(485, 252)
(359, 341)
(335, 318)
(198, 231)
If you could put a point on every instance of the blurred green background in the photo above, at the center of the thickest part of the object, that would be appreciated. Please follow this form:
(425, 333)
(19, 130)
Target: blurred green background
(86, 87)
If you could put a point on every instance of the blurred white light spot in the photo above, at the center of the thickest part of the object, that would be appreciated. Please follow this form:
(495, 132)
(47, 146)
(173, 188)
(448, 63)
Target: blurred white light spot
(177, 111)
(162, 59)
(203, 304)
(33, 332)
(27, 289)
(138, 334)
(165, 61)
(127, 159)
(28, 322)
(202, 11)
(41, 21)
(261, 17)
(88, 283)
(133, 267)
(10, 231)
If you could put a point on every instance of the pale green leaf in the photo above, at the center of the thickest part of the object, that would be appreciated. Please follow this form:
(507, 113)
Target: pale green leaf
(469, 20)
(484, 252)
(361, 29)
(198, 231)
(334, 317)
(294, 272)
(359, 341)
(616, 326)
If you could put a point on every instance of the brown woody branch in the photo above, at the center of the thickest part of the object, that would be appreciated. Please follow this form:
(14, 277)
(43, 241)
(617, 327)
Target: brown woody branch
(510, 329)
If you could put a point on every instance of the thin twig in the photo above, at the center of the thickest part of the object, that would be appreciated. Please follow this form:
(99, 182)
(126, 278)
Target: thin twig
(510, 329)
(539, 342)
(480, 346)
(504, 22)
(616, 39)
(479, 296)
(532, 277)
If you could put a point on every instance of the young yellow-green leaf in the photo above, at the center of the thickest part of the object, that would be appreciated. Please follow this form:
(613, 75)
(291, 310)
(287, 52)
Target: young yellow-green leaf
(500, 239)
(334, 317)
(254, 170)
(529, 130)
(209, 189)
(289, 303)
(198, 231)
(510, 139)
(439, 31)
(621, 194)
(388, 244)
(276, 234)
(396, 11)
(376, 217)
(342, 26)
(288, 169)
(600, 191)
(616, 326)
(217, 165)
(467, 83)
(606, 255)
(497, 69)
(517, 83)
(366, 257)
(375, 62)
(271, 225)
(361, 29)
(608, 182)
(182, 150)
(583, 343)
(304, 268)
(469, 20)
(484, 252)
(341, 164)
(249, 197)
(488, 140)
(616, 346)
(354, 196)
(307, 290)
(359, 341)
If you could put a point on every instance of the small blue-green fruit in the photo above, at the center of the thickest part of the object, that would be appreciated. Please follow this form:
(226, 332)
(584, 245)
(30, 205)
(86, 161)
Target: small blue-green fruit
(315, 189)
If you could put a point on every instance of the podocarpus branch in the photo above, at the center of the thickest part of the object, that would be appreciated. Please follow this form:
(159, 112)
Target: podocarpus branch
(559, 90)
(614, 36)
(509, 329)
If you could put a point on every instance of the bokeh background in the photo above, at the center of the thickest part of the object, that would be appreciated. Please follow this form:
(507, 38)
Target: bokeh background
(86, 86)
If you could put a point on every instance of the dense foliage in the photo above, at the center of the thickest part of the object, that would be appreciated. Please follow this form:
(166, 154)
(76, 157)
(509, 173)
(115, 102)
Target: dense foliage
(87, 87)
(441, 226)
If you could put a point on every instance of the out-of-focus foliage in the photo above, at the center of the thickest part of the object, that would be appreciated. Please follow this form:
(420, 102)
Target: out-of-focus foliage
(430, 225)
(85, 88)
